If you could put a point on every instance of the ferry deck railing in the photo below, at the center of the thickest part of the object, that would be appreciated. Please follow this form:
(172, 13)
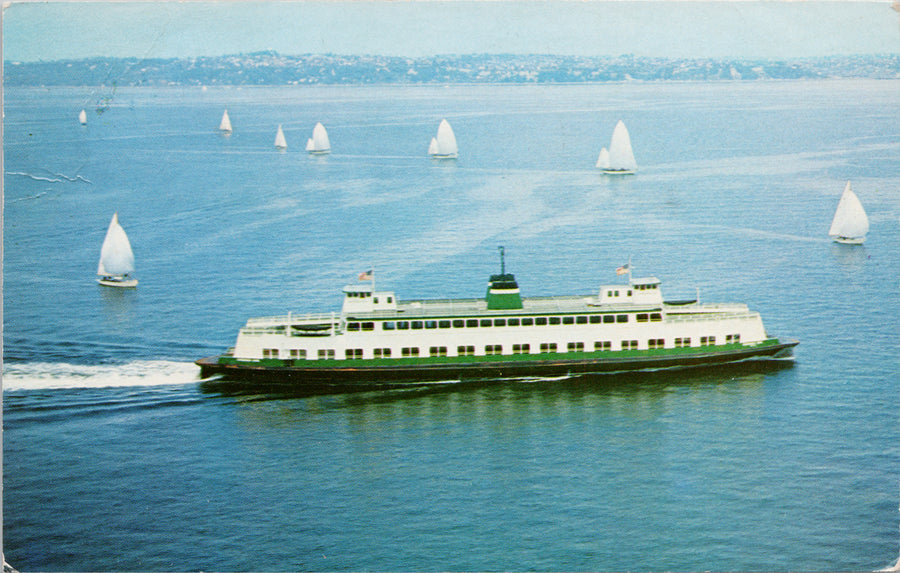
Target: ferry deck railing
(682, 313)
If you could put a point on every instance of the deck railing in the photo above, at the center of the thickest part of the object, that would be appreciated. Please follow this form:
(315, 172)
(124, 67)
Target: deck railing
(549, 305)
(292, 318)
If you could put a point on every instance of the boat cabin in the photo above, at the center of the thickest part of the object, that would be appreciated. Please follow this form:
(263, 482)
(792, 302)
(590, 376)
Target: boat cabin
(637, 291)
(362, 298)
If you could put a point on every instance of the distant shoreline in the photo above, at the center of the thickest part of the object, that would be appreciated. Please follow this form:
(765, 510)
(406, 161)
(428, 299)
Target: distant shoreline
(272, 69)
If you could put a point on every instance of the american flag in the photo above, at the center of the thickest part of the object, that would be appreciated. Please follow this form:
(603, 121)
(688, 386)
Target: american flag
(366, 276)
(623, 269)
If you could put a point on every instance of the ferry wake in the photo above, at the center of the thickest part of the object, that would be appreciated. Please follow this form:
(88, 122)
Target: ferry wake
(378, 339)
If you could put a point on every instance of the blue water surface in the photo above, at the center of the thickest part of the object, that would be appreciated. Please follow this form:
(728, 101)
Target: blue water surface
(117, 457)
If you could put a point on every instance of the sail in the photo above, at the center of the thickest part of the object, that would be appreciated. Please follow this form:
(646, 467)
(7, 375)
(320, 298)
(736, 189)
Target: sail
(82, 117)
(850, 220)
(621, 156)
(280, 141)
(433, 147)
(116, 257)
(445, 141)
(225, 124)
(603, 159)
(319, 143)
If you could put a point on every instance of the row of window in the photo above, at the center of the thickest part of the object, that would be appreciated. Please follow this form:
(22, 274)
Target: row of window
(497, 349)
(390, 299)
(500, 322)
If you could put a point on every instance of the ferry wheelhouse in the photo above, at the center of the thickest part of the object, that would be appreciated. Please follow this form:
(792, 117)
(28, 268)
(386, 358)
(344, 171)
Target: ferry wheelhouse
(376, 338)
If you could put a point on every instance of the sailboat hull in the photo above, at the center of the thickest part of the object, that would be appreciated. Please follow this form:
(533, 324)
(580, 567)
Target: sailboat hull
(619, 171)
(117, 282)
(849, 240)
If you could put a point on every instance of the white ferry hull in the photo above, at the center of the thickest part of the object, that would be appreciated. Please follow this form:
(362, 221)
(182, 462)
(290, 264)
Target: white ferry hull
(352, 373)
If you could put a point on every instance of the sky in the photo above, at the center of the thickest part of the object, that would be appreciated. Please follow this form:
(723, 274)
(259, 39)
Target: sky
(48, 31)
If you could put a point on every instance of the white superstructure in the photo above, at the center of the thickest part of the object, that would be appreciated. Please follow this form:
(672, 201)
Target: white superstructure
(374, 325)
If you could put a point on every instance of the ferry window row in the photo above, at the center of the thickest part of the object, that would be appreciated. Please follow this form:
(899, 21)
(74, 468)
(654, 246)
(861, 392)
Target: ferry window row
(390, 299)
(497, 349)
(437, 351)
(493, 349)
(501, 322)
(652, 317)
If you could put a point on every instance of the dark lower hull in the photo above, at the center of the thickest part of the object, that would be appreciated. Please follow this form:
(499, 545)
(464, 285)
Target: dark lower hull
(362, 374)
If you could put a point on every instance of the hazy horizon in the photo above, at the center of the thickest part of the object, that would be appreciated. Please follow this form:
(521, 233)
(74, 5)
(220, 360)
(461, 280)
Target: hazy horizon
(744, 29)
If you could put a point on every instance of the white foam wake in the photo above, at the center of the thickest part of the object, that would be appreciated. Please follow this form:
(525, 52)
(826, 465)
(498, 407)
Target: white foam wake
(49, 375)
(58, 177)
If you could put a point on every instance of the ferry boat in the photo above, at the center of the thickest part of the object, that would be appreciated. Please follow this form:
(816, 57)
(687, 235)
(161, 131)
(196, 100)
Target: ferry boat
(377, 339)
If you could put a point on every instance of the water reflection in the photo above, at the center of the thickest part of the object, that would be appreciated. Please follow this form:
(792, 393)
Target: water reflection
(118, 308)
(850, 257)
(509, 404)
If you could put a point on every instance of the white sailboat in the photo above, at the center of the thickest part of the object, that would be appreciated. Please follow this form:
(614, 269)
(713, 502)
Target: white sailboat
(603, 159)
(850, 223)
(82, 117)
(621, 156)
(116, 258)
(443, 145)
(318, 143)
(280, 141)
(225, 124)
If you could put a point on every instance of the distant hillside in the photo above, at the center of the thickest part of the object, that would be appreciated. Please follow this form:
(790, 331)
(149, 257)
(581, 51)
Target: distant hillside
(270, 68)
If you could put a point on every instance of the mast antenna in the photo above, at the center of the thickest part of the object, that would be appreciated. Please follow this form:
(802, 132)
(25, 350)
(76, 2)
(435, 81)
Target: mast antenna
(502, 260)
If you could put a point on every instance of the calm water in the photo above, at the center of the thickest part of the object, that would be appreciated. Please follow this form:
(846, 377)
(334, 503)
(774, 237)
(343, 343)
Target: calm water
(116, 457)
